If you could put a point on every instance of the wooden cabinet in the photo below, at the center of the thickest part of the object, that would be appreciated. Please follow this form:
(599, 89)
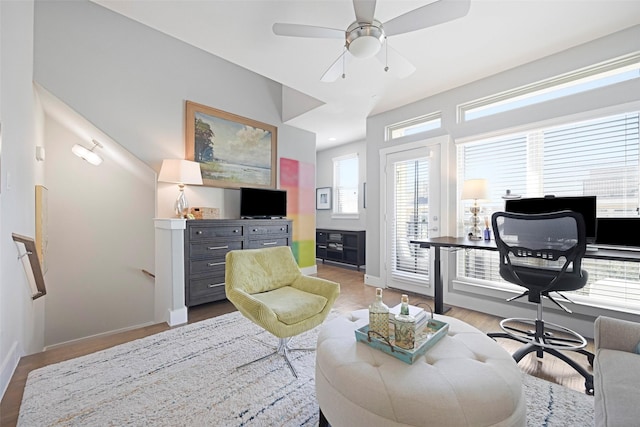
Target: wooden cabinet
(206, 243)
(344, 246)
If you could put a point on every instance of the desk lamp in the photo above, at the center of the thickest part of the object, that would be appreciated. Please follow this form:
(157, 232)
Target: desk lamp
(474, 189)
(180, 172)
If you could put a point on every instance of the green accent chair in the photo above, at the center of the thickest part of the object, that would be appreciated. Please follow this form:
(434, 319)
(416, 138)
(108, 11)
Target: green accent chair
(269, 289)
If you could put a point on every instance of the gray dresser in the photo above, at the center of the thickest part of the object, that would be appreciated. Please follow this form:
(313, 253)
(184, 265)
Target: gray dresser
(206, 243)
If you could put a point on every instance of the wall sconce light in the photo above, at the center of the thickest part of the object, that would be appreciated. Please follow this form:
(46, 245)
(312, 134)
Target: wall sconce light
(88, 154)
(180, 172)
(474, 189)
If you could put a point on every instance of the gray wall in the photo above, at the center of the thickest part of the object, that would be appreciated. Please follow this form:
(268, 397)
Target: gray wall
(324, 178)
(131, 83)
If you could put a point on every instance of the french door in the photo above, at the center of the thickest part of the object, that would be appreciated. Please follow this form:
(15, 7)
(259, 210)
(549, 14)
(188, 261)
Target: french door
(412, 212)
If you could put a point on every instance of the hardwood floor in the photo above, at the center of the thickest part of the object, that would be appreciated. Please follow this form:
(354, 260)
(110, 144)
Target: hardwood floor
(354, 295)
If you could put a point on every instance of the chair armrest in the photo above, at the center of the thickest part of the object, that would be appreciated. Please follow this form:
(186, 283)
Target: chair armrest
(315, 285)
(251, 307)
(616, 334)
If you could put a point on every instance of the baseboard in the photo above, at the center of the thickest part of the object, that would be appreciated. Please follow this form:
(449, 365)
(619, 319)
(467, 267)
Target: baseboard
(102, 334)
(9, 365)
(310, 271)
(374, 281)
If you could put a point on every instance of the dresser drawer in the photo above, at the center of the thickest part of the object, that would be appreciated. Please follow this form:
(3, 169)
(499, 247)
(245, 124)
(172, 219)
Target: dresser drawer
(253, 230)
(207, 232)
(266, 243)
(207, 287)
(214, 250)
(207, 266)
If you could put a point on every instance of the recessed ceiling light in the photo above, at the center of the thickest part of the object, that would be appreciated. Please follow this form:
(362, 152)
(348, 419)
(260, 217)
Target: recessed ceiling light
(333, 138)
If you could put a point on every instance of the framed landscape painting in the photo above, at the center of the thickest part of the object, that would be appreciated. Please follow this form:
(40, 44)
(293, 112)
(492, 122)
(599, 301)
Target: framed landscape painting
(233, 151)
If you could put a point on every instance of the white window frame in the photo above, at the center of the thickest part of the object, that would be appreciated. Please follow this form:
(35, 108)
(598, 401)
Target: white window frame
(588, 78)
(336, 213)
(413, 126)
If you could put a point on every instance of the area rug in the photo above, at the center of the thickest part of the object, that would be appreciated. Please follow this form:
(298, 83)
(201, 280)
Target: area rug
(187, 376)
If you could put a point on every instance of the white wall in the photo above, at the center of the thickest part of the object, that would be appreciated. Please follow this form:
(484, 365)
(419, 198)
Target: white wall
(324, 178)
(614, 98)
(130, 83)
(100, 239)
(21, 318)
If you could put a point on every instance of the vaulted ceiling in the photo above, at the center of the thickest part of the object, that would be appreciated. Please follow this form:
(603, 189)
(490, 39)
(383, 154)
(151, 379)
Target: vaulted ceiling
(494, 36)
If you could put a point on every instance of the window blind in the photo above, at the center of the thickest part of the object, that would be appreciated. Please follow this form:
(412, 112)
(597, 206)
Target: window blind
(411, 217)
(345, 178)
(597, 157)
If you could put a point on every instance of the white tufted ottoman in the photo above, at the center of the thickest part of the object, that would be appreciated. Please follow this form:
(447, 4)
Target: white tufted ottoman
(466, 379)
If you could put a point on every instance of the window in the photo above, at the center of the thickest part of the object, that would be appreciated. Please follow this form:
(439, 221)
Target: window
(601, 75)
(345, 185)
(413, 126)
(598, 157)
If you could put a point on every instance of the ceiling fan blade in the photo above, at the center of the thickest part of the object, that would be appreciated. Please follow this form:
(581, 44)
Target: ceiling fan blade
(364, 10)
(338, 68)
(398, 64)
(299, 30)
(427, 16)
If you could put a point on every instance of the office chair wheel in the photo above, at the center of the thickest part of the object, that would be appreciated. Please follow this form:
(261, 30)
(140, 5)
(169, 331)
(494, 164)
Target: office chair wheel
(532, 331)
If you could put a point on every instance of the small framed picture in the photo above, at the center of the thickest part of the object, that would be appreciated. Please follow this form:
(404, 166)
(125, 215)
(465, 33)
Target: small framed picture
(323, 198)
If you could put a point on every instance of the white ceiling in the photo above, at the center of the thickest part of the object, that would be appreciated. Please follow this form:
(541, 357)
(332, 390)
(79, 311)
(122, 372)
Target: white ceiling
(496, 35)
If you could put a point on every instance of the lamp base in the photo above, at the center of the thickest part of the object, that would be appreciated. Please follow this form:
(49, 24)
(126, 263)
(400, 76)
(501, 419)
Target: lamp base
(181, 206)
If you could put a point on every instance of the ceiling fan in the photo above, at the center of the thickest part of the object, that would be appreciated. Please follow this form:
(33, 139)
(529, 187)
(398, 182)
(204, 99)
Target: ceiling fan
(366, 36)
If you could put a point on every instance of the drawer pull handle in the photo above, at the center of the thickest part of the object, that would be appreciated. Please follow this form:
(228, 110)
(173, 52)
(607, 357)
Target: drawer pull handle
(213, 248)
(213, 285)
(255, 229)
(199, 232)
(236, 231)
(213, 264)
(269, 243)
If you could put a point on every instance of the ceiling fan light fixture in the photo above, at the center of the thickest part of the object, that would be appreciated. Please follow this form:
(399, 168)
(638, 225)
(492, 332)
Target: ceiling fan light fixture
(365, 40)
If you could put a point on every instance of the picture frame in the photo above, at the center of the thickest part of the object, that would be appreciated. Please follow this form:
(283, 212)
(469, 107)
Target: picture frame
(323, 198)
(233, 151)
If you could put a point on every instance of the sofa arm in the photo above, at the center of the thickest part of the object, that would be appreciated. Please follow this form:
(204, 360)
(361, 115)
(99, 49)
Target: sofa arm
(616, 334)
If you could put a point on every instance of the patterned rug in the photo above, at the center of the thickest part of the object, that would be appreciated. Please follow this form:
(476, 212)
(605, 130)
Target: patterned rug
(186, 377)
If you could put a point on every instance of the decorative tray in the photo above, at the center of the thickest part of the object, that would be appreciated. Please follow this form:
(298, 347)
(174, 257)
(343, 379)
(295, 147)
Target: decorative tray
(426, 337)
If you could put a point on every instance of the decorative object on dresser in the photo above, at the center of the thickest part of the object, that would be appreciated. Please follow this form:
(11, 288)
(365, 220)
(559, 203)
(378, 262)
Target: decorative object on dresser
(344, 246)
(205, 213)
(181, 172)
(206, 243)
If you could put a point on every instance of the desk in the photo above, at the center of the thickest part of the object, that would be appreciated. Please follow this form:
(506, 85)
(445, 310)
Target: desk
(489, 245)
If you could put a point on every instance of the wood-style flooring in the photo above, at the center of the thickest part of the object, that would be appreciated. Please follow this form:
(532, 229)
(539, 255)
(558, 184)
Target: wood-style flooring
(354, 295)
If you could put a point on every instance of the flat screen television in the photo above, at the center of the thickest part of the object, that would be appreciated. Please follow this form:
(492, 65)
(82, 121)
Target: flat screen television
(263, 203)
(585, 205)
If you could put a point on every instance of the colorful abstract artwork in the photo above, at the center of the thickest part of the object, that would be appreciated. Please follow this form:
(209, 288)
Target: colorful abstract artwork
(298, 178)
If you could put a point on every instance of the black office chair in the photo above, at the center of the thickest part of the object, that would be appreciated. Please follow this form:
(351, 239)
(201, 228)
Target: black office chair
(543, 253)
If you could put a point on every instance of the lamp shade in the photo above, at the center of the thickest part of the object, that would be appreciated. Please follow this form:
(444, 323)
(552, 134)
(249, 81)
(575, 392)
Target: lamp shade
(474, 189)
(180, 171)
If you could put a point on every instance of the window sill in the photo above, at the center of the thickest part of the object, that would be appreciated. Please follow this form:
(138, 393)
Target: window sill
(345, 216)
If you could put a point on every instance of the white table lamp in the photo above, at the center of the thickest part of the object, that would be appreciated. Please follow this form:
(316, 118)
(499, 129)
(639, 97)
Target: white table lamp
(474, 189)
(180, 172)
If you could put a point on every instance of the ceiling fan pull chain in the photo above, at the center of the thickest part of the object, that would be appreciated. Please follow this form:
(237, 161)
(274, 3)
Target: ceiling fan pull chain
(386, 55)
(343, 61)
